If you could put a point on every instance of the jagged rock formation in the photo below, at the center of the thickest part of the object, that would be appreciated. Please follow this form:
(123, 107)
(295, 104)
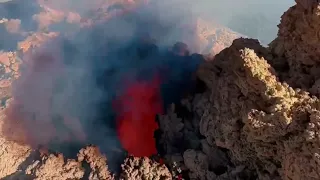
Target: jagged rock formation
(253, 109)
(187, 150)
(144, 168)
(21, 162)
(298, 44)
(251, 122)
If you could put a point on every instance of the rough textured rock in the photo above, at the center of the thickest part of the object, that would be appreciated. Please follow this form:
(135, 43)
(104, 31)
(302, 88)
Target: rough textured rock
(12, 156)
(251, 122)
(188, 154)
(55, 167)
(97, 162)
(298, 44)
(20, 162)
(145, 169)
(254, 110)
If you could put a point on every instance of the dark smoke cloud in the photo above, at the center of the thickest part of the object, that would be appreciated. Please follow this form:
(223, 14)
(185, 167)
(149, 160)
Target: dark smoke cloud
(20, 9)
(63, 99)
(16, 12)
(9, 37)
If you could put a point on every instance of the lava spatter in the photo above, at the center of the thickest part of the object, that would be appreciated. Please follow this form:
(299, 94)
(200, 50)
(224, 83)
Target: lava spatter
(137, 108)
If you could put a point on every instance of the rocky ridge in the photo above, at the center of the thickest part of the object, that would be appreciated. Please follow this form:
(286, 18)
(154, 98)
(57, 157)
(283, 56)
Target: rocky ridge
(258, 117)
(262, 104)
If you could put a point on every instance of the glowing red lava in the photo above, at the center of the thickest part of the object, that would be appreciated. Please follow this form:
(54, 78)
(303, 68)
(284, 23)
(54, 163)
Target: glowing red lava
(137, 109)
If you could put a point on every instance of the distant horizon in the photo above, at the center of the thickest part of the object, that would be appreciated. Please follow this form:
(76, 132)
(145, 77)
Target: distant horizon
(239, 15)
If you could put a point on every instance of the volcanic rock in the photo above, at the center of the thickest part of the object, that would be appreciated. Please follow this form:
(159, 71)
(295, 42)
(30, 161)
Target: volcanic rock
(255, 109)
(258, 118)
(144, 168)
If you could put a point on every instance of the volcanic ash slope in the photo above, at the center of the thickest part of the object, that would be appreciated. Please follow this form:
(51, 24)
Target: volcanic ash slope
(264, 105)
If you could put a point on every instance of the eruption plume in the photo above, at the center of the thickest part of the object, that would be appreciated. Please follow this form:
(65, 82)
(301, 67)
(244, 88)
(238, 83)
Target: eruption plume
(104, 84)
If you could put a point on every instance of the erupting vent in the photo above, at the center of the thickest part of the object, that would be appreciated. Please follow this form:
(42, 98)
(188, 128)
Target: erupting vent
(137, 109)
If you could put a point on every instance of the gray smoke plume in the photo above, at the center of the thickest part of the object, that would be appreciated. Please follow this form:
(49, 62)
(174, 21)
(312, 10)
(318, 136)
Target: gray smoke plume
(64, 97)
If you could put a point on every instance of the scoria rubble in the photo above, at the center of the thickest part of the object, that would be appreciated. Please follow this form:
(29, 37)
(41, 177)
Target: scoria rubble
(261, 106)
(263, 103)
(258, 117)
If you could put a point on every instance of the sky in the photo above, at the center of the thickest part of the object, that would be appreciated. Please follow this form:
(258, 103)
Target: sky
(253, 18)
